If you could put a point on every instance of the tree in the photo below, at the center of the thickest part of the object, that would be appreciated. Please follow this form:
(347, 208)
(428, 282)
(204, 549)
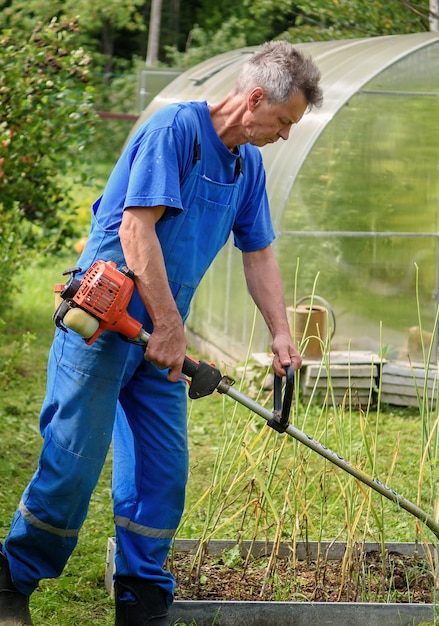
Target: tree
(255, 21)
(154, 33)
(336, 19)
(112, 30)
(101, 21)
(434, 15)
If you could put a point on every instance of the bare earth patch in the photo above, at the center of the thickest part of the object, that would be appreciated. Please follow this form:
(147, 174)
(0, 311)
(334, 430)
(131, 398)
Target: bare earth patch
(372, 578)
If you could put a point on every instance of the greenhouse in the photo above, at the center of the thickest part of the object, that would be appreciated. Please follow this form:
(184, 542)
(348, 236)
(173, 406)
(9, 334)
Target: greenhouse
(354, 197)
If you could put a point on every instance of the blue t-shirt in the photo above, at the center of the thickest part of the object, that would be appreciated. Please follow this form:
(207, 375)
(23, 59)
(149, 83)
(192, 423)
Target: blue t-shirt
(160, 155)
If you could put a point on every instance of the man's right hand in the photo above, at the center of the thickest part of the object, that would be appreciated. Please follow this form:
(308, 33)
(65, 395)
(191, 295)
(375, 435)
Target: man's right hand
(167, 349)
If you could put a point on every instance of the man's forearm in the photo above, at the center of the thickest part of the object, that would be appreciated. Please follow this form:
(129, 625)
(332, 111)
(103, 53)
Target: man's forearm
(144, 257)
(265, 286)
(143, 254)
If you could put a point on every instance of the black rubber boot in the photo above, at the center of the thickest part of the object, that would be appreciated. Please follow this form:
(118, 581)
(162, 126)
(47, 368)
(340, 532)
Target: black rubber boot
(139, 603)
(14, 606)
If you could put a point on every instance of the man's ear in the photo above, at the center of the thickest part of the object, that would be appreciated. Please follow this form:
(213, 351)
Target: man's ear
(255, 97)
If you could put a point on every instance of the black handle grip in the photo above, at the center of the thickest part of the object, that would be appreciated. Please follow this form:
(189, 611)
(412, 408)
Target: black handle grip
(205, 377)
(282, 408)
(190, 366)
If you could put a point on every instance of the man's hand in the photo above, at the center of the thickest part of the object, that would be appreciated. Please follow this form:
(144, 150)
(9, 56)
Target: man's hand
(285, 354)
(167, 348)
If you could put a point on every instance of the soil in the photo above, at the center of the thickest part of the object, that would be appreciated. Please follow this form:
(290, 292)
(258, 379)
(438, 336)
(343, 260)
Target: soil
(372, 578)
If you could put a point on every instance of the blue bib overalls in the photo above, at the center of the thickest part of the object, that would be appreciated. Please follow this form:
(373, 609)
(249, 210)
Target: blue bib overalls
(107, 390)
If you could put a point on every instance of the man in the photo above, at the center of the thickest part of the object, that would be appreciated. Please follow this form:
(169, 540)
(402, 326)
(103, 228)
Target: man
(190, 176)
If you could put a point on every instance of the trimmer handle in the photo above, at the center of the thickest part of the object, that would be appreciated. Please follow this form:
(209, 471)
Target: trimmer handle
(282, 408)
(205, 377)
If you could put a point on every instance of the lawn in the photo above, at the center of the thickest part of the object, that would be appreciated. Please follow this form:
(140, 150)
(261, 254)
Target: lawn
(246, 481)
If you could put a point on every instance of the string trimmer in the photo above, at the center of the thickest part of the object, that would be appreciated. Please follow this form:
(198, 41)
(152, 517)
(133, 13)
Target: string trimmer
(98, 302)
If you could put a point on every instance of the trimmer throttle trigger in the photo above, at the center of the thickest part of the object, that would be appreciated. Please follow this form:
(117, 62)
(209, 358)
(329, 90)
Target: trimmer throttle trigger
(205, 377)
(282, 409)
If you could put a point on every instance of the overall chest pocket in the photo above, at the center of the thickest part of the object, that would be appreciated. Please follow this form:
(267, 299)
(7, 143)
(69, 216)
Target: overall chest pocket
(191, 240)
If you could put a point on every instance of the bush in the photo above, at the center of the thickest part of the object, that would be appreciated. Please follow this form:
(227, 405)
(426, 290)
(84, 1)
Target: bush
(47, 119)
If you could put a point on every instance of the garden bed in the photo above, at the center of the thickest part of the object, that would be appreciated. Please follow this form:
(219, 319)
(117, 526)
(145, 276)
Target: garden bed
(300, 614)
(310, 584)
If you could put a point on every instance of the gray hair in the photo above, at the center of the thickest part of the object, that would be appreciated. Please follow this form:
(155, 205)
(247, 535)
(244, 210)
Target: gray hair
(281, 70)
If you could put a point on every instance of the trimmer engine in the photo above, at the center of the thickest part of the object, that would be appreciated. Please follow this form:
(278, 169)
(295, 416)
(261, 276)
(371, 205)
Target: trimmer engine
(97, 302)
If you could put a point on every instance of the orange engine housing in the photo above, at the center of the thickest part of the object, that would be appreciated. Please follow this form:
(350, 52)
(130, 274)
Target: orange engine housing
(105, 293)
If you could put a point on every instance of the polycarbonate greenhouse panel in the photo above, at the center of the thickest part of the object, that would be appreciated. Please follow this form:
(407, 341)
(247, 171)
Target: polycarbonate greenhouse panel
(345, 68)
(366, 162)
(363, 213)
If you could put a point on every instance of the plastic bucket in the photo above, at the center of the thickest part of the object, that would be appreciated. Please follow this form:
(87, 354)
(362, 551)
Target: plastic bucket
(311, 325)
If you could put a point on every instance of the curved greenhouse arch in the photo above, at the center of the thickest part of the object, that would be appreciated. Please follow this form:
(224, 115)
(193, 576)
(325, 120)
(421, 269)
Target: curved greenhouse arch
(224, 324)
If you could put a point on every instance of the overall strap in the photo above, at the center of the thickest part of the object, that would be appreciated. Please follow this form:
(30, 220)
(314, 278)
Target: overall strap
(239, 169)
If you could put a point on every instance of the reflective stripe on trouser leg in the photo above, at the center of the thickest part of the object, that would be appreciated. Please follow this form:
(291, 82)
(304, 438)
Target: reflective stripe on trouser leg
(76, 421)
(150, 473)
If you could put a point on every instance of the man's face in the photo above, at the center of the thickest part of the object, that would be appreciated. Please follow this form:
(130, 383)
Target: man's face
(266, 123)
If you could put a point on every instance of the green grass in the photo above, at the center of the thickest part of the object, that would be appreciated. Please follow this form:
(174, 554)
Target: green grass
(246, 481)
(79, 596)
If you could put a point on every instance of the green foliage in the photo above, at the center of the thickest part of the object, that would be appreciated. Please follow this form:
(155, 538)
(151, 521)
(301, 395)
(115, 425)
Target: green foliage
(10, 249)
(124, 15)
(341, 19)
(101, 23)
(28, 13)
(102, 19)
(113, 31)
(13, 353)
(47, 120)
(313, 20)
(205, 44)
(119, 95)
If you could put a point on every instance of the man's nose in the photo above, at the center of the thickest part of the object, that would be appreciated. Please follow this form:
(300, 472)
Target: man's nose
(284, 133)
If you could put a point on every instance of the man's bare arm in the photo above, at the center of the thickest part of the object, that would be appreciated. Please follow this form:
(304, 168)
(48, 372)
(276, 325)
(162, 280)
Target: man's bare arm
(144, 257)
(265, 286)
